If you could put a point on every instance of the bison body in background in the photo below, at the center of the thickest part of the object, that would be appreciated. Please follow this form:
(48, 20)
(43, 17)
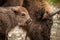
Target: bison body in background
(11, 2)
(11, 17)
(40, 27)
(34, 5)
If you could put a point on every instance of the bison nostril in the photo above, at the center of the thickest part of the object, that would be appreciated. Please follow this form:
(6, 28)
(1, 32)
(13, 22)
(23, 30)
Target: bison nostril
(23, 14)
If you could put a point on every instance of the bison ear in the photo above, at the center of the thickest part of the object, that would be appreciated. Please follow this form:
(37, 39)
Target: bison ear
(15, 9)
(16, 12)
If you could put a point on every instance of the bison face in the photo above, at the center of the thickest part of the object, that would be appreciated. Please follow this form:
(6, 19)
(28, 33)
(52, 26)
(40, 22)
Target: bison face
(21, 14)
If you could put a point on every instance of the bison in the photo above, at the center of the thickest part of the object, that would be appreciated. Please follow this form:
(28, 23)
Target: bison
(11, 17)
(41, 24)
(40, 28)
(40, 12)
(11, 2)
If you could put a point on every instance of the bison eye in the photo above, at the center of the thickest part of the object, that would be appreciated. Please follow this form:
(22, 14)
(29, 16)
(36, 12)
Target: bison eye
(23, 14)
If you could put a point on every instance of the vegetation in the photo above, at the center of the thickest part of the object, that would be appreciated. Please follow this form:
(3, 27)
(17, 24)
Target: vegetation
(54, 1)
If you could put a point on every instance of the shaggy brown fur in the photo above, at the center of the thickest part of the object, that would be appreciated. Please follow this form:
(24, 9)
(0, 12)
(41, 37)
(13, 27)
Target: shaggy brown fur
(11, 2)
(14, 3)
(34, 5)
(22, 13)
(7, 20)
(40, 27)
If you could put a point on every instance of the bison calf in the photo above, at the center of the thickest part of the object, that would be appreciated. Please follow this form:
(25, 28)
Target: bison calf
(11, 17)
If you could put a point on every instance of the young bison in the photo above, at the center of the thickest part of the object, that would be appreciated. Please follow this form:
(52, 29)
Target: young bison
(11, 17)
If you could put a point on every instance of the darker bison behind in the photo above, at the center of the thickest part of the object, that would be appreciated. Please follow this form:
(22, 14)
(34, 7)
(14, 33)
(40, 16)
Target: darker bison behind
(40, 27)
(11, 2)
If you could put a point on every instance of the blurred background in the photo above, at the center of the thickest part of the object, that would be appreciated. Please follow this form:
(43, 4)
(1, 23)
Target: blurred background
(55, 31)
